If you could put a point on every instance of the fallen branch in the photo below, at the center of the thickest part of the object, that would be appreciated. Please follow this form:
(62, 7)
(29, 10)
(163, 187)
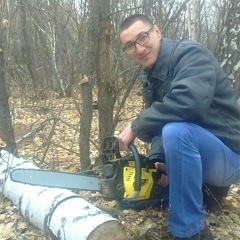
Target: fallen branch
(34, 131)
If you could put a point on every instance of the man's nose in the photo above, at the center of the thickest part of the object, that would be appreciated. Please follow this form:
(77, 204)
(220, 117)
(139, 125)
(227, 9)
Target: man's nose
(139, 48)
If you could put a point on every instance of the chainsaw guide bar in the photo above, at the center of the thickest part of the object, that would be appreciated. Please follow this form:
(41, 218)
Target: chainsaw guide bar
(54, 179)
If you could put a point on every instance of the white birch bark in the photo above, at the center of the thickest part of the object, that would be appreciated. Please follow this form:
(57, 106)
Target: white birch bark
(229, 48)
(192, 19)
(57, 212)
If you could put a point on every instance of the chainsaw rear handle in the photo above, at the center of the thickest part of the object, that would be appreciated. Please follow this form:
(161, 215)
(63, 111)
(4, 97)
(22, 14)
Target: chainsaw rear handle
(138, 173)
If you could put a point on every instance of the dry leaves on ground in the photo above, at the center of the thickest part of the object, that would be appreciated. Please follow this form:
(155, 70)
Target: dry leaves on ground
(150, 224)
(61, 152)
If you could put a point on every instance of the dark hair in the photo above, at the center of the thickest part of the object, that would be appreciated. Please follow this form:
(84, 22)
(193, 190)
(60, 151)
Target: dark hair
(127, 22)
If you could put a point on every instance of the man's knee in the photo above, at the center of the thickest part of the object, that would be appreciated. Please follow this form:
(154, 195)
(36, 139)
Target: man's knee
(173, 129)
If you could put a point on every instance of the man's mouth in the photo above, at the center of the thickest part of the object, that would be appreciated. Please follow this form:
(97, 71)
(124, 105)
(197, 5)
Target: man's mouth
(144, 56)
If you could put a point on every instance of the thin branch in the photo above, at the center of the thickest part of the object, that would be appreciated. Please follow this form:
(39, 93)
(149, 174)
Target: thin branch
(129, 88)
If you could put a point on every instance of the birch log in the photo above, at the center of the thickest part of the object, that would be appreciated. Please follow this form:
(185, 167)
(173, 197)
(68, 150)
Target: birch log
(59, 213)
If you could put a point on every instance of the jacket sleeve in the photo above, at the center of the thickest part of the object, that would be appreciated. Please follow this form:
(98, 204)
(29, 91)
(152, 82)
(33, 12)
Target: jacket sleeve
(156, 151)
(144, 81)
(190, 95)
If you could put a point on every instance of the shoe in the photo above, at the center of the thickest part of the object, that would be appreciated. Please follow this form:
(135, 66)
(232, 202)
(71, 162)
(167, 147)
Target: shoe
(204, 234)
(213, 197)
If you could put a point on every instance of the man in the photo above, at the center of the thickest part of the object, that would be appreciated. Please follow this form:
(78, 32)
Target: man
(192, 121)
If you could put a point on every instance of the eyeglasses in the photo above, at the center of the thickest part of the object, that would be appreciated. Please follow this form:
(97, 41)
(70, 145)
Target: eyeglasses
(129, 48)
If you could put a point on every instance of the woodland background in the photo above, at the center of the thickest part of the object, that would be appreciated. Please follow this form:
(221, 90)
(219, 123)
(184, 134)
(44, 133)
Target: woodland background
(62, 67)
(65, 83)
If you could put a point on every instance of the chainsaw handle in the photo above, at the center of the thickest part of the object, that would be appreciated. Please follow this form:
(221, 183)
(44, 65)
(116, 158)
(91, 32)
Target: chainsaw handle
(138, 173)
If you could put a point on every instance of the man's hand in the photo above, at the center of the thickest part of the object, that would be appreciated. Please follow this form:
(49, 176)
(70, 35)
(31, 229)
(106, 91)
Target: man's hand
(163, 181)
(125, 138)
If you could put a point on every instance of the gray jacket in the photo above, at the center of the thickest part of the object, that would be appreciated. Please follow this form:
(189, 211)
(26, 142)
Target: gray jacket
(187, 84)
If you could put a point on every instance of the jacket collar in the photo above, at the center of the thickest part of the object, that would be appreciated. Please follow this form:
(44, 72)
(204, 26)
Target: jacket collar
(161, 67)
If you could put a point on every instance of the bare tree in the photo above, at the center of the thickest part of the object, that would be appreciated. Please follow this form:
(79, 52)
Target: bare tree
(6, 129)
(106, 90)
(229, 48)
(192, 19)
(87, 84)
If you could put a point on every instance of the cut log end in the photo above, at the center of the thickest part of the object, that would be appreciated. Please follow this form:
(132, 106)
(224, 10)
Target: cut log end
(111, 230)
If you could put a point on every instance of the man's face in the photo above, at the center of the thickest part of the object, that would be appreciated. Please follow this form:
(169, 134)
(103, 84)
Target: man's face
(146, 55)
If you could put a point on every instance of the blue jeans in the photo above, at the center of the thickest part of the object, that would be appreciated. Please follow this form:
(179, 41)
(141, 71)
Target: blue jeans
(194, 156)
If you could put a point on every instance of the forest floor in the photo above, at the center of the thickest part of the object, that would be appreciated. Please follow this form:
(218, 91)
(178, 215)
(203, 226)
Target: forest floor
(61, 154)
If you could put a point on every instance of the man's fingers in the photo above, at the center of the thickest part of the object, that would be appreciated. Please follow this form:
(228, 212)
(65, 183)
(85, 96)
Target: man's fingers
(160, 166)
(125, 138)
(163, 181)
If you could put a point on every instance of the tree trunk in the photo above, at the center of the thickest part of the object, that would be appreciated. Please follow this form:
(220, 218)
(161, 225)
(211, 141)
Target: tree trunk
(106, 92)
(98, 66)
(87, 83)
(192, 19)
(27, 46)
(85, 123)
(59, 213)
(229, 48)
(6, 129)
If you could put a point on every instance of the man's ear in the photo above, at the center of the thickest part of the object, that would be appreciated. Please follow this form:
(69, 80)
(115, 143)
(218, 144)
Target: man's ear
(157, 31)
